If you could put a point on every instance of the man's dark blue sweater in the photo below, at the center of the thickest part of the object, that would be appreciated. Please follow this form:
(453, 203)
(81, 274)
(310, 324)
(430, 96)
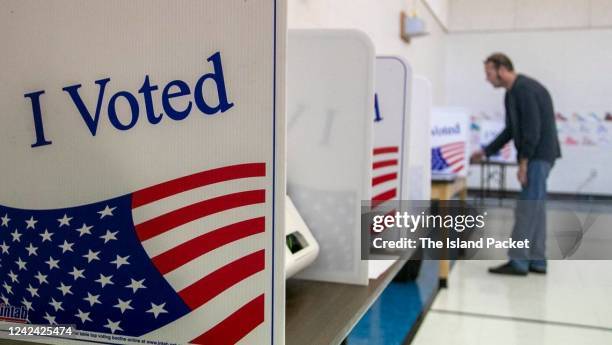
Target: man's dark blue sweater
(530, 122)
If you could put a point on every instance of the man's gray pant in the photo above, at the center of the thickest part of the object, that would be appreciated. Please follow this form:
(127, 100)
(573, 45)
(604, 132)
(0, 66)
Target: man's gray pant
(530, 218)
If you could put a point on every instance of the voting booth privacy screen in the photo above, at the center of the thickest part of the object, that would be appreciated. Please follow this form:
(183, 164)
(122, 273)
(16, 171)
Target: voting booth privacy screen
(390, 139)
(391, 128)
(142, 185)
(419, 141)
(330, 93)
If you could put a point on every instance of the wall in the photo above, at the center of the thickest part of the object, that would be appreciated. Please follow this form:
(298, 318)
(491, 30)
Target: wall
(380, 20)
(575, 66)
(512, 15)
(440, 9)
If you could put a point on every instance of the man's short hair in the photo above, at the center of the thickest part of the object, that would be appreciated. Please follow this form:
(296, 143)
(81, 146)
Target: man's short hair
(499, 59)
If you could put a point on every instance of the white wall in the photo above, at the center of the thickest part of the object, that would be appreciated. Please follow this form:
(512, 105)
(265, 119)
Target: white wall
(576, 67)
(380, 20)
(486, 15)
(440, 9)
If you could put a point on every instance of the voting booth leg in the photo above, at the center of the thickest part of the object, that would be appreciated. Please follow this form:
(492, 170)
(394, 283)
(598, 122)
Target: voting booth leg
(438, 208)
(411, 269)
(463, 195)
(502, 184)
(444, 263)
(443, 275)
(482, 184)
(442, 192)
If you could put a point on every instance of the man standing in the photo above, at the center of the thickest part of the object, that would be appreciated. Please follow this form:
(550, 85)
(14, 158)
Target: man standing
(530, 122)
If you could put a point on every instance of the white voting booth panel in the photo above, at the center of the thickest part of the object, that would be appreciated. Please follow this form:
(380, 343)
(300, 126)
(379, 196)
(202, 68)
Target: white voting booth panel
(450, 141)
(391, 128)
(417, 171)
(390, 138)
(419, 141)
(142, 185)
(330, 93)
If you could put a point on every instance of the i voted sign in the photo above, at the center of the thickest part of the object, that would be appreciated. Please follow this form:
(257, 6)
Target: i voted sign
(168, 96)
(142, 182)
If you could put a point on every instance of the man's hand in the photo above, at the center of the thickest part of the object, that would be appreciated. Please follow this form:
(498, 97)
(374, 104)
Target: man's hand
(477, 156)
(521, 175)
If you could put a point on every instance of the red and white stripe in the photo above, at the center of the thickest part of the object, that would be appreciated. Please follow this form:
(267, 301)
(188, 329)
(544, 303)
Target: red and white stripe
(385, 175)
(454, 155)
(205, 233)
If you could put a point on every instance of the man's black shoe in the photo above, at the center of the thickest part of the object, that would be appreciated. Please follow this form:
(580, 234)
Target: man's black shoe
(538, 270)
(507, 268)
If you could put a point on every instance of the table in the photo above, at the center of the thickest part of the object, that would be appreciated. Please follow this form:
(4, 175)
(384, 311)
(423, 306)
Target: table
(324, 313)
(447, 190)
(486, 175)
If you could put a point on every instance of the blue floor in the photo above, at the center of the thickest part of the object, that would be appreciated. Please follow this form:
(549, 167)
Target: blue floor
(395, 312)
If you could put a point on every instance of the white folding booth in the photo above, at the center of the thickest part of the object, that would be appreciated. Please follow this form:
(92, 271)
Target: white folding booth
(390, 165)
(144, 170)
(330, 97)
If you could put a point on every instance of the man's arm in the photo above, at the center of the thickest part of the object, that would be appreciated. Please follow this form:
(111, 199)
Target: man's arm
(502, 139)
(529, 124)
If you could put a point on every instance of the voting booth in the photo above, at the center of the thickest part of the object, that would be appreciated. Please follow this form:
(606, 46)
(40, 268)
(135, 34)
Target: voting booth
(450, 141)
(391, 128)
(390, 150)
(419, 141)
(330, 93)
(142, 190)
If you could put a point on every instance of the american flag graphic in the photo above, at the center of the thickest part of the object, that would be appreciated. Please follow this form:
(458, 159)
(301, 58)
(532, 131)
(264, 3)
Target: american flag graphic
(150, 264)
(385, 175)
(448, 158)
